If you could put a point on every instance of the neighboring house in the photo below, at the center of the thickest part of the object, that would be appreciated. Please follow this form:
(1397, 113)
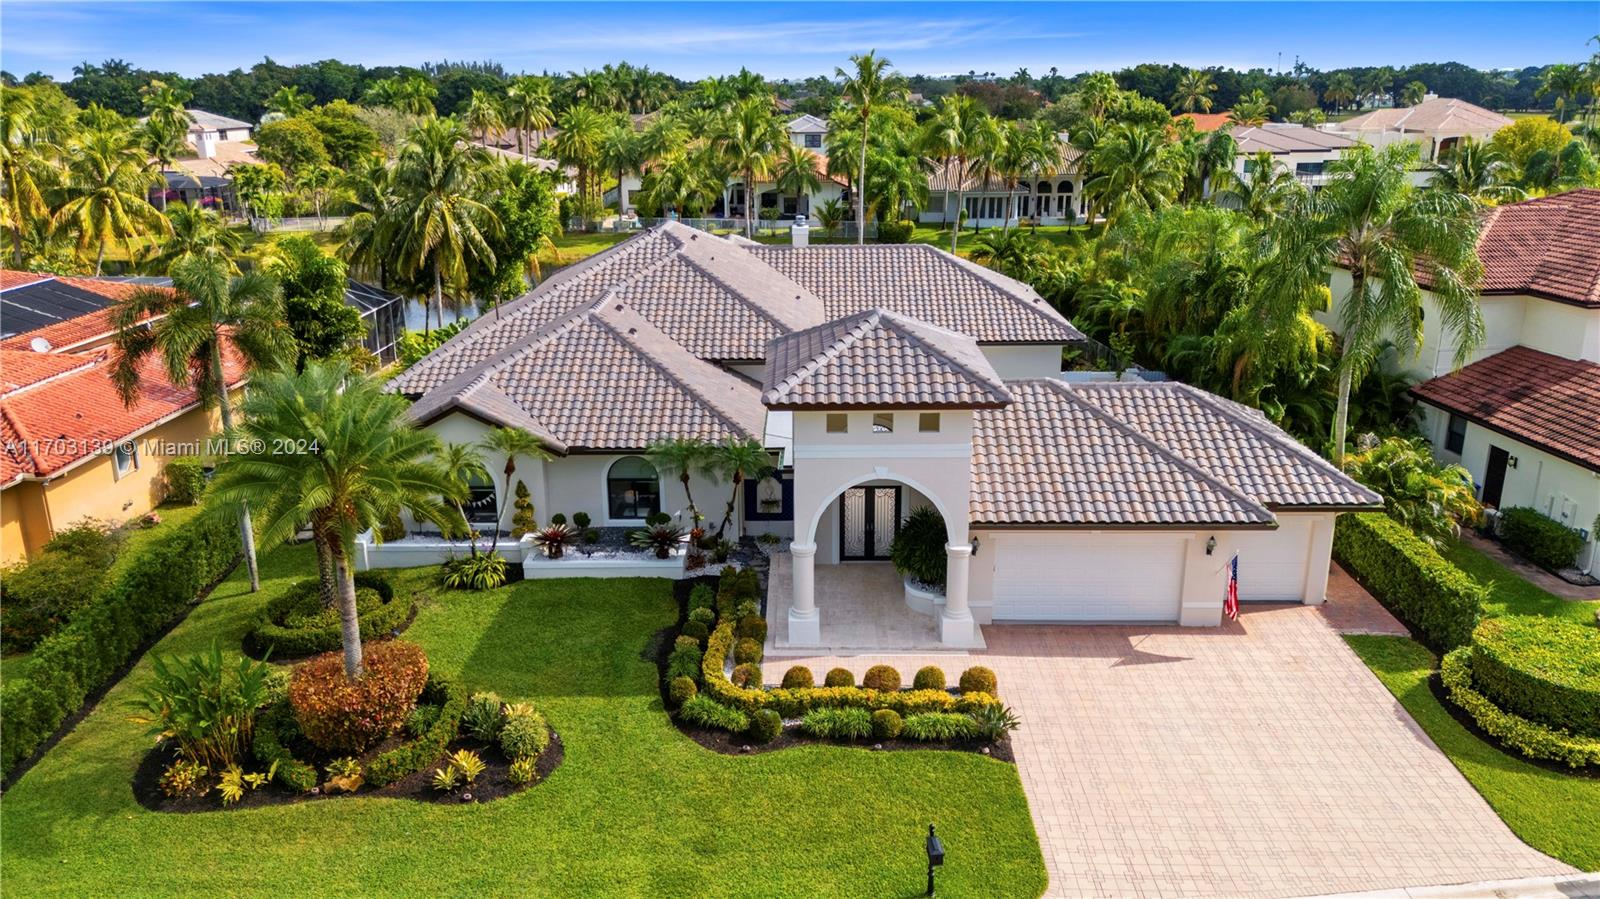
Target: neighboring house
(1304, 152)
(1524, 415)
(1206, 122)
(810, 132)
(883, 378)
(57, 313)
(1046, 198)
(1435, 125)
(69, 447)
(214, 144)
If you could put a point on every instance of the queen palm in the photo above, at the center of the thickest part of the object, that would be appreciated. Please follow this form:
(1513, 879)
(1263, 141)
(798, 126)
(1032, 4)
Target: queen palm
(439, 228)
(463, 464)
(1265, 190)
(1194, 91)
(1567, 82)
(680, 457)
(1377, 83)
(511, 443)
(528, 108)
(956, 135)
(870, 84)
(583, 130)
(1475, 169)
(366, 461)
(204, 305)
(197, 232)
(317, 181)
(106, 190)
(483, 115)
(1132, 169)
(750, 142)
(738, 461)
(796, 172)
(1341, 90)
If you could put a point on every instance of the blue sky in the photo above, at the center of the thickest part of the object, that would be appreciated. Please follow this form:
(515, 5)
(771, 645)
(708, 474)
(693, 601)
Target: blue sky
(793, 39)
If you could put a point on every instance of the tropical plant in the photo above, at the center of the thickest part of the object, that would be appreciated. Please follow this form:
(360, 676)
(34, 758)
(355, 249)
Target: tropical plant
(440, 228)
(332, 448)
(511, 443)
(737, 460)
(476, 572)
(1413, 93)
(1025, 150)
(1265, 190)
(749, 141)
(1341, 90)
(463, 464)
(166, 123)
(1194, 91)
(195, 232)
(796, 171)
(528, 108)
(483, 717)
(992, 722)
(869, 85)
(831, 214)
(412, 94)
(1252, 109)
(662, 538)
(483, 115)
(289, 101)
(621, 152)
(555, 538)
(105, 195)
(1132, 169)
(578, 144)
(344, 774)
(1431, 499)
(679, 457)
(959, 133)
(24, 171)
(1475, 169)
(205, 704)
(918, 548)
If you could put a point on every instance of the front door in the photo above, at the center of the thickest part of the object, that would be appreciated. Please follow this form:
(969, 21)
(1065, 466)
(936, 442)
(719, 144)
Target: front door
(868, 518)
(1494, 479)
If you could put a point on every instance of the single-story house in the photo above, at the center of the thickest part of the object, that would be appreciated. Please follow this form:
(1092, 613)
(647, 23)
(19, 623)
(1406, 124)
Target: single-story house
(1435, 125)
(1302, 151)
(883, 378)
(1048, 198)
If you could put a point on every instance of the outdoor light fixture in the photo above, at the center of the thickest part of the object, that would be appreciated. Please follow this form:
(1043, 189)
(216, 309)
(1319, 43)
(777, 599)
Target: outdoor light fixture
(935, 856)
(1511, 461)
(975, 545)
(1211, 545)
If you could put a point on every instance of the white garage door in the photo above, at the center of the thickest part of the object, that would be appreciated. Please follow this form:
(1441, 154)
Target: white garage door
(1272, 564)
(1068, 577)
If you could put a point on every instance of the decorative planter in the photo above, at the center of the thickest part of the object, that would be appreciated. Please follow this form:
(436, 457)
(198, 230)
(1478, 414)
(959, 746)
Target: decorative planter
(922, 599)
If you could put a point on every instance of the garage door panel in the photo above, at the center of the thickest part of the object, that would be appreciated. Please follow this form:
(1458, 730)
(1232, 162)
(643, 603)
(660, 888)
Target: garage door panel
(1088, 578)
(1272, 564)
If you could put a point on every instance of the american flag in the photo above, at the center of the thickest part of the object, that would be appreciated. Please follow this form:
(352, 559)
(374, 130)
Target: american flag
(1230, 601)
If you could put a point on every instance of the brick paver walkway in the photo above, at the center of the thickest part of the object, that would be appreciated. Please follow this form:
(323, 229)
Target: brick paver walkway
(1260, 758)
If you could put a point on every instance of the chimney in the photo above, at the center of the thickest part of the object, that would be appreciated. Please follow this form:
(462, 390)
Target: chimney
(800, 232)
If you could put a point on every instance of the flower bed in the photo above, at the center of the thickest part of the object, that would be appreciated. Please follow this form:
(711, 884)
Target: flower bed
(297, 624)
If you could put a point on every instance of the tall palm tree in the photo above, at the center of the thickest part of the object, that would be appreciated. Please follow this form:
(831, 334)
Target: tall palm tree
(369, 462)
(1341, 90)
(203, 307)
(106, 190)
(317, 181)
(510, 442)
(1377, 83)
(680, 457)
(583, 130)
(1027, 149)
(1265, 190)
(529, 107)
(366, 234)
(1413, 93)
(1253, 109)
(738, 461)
(483, 115)
(796, 173)
(1371, 220)
(1475, 169)
(463, 464)
(1132, 169)
(622, 152)
(871, 84)
(22, 200)
(1208, 163)
(1567, 82)
(1194, 90)
(289, 101)
(958, 132)
(197, 232)
(439, 227)
(750, 143)
(166, 123)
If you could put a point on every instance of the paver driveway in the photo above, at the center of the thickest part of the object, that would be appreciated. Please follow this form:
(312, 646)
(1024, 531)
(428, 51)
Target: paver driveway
(1261, 758)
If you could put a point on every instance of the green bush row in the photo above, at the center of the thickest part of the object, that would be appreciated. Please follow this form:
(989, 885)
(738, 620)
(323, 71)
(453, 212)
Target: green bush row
(275, 632)
(275, 725)
(1530, 738)
(153, 587)
(409, 758)
(1433, 597)
(1544, 669)
(186, 479)
(1540, 540)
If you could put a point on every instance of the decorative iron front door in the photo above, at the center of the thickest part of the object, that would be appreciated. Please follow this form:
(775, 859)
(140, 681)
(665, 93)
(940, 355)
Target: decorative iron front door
(868, 519)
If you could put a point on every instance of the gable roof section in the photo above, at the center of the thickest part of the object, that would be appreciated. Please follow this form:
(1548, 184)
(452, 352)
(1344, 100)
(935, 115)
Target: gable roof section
(1282, 138)
(1545, 248)
(924, 283)
(1207, 121)
(1440, 114)
(879, 359)
(1546, 401)
(807, 122)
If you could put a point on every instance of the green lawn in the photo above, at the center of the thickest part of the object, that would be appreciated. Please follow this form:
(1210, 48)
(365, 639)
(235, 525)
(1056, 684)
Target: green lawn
(1558, 814)
(636, 809)
(1510, 594)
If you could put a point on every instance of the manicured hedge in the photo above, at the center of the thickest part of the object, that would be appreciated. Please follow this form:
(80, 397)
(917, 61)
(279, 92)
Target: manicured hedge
(1540, 540)
(1544, 669)
(1530, 738)
(274, 726)
(409, 758)
(1433, 597)
(153, 587)
(273, 632)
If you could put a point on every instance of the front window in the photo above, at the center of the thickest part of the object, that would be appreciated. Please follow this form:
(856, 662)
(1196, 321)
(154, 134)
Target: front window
(633, 489)
(813, 141)
(1456, 434)
(480, 507)
(1307, 169)
(125, 458)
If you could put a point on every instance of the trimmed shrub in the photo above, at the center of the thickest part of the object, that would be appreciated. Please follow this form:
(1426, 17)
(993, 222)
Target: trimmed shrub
(274, 727)
(838, 723)
(1540, 540)
(684, 640)
(918, 550)
(1543, 669)
(896, 232)
(886, 724)
(409, 758)
(42, 596)
(839, 677)
(881, 677)
(703, 614)
(696, 630)
(798, 676)
(753, 627)
(938, 727)
(185, 478)
(525, 736)
(707, 712)
(746, 675)
(149, 590)
(1530, 738)
(746, 651)
(979, 679)
(685, 661)
(336, 713)
(702, 597)
(765, 726)
(1434, 598)
(930, 677)
(296, 623)
(421, 720)
(681, 689)
(484, 717)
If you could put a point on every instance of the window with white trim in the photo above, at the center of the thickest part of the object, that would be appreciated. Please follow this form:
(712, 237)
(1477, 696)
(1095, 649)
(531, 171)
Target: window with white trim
(124, 459)
(633, 489)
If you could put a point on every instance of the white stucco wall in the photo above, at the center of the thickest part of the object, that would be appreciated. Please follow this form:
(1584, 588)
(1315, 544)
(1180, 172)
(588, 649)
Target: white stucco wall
(1017, 361)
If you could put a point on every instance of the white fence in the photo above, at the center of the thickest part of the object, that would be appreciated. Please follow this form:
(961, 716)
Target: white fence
(298, 223)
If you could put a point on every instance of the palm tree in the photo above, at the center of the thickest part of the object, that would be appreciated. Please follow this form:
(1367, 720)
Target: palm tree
(107, 186)
(1413, 93)
(483, 115)
(289, 101)
(1253, 109)
(204, 306)
(366, 234)
(166, 124)
(197, 232)
(439, 226)
(255, 182)
(1567, 82)
(621, 151)
(528, 108)
(831, 215)
(679, 457)
(510, 442)
(23, 202)
(1475, 169)
(957, 133)
(1377, 83)
(1026, 150)
(1341, 90)
(1265, 190)
(1370, 220)
(736, 460)
(1194, 89)
(1208, 162)
(871, 84)
(577, 144)
(750, 144)
(1132, 169)
(796, 173)
(413, 94)
(367, 463)
(317, 180)
(463, 464)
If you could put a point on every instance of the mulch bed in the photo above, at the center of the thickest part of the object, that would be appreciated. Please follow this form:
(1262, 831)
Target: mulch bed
(1442, 693)
(492, 784)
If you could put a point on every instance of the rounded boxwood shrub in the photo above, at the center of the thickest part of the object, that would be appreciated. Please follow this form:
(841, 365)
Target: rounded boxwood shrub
(753, 627)
(839, 677)
(681, 689)
(765, 726)
(337, 713)
(798, 676)
(881, 677)
(703, 614)
(747, 674)
(746, 651)
(979, 679)
(702, 597)
(930, 677)
(296, 623)
(525, 736)
(1543, 669)
(886, 724)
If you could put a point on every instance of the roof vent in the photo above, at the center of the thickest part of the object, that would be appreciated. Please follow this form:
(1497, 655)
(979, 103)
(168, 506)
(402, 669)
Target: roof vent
(619, 307)
(39, 345)
(633, 330)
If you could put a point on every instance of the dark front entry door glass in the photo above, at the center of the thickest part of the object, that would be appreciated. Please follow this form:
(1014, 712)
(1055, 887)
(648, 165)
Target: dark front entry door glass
(1494, 480)
(868, 519)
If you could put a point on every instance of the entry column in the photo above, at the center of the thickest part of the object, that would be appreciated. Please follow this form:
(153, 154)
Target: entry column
(805, 622)
(956, 627)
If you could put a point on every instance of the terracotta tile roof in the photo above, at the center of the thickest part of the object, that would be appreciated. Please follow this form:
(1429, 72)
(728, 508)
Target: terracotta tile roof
(10, 278)
(1437, 115)
(1546, 401)
(73, 317)
(1549, 247)
(1206, 121)
(55, 416)
(925, 283)
(878, 359)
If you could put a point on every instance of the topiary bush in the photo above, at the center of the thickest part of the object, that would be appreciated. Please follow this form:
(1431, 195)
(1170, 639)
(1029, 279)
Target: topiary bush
(1542, 541)
(409, 758)
(1434, 598)
(337, 713)
(524, 736)
(929, 677)
(681, 689)
(753, 627)
(979, 679)
(798, 676)
(1530, 738)
(746, 652)
(296, 623)
(839, 677)
(185, 478)
(685, 661)
(918, 550)
(275, 727)
(703, 597)
(765, 726)
(1543, 669)
(886, 724)
(881, 677)
(746, 675)
(696, 630)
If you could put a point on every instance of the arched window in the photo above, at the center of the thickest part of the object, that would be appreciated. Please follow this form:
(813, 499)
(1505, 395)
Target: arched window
(1066, 187)
(633, 489)
(1044, 187)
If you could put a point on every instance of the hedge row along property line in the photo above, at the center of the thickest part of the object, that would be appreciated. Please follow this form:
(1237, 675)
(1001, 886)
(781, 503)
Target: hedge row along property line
(1530, 738)
(276, 634)
(1543, 669)
(1433, 597)
(152, 590)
